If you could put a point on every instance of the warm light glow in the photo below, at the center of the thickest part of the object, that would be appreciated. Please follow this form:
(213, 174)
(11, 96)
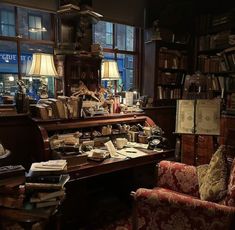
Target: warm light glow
(35, 30)
(11, 78)
(43, 65)
(109, 70)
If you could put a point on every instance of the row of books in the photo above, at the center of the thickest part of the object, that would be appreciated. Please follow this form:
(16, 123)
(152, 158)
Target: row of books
(176, 78)
(63, 107)
(208, 64)
(168, 93)
(172, 59)
(201, 86)
(41, 187)
(229, 58)
(208, 23)
(12, 190)
(214, 41)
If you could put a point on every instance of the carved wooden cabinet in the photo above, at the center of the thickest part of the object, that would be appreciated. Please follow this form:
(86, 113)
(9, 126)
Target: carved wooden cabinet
(81, 68)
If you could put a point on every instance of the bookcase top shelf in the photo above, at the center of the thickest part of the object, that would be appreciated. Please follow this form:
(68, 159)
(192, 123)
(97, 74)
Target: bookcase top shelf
(169, 45)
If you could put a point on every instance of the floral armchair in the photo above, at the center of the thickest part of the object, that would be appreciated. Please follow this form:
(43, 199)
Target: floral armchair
(175, 202)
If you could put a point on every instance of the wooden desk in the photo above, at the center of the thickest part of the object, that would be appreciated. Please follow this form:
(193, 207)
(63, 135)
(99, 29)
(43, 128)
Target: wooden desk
(98, 188)
(27, 218)
(92, 169)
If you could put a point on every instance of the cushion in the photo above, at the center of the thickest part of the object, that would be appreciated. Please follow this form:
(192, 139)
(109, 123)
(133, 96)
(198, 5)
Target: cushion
(212, 178)
(230, 198)
(201, 173)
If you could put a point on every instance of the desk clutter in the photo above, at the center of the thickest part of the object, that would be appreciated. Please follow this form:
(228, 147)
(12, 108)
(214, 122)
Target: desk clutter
(42, 187)
(61, 108)
(106, 141)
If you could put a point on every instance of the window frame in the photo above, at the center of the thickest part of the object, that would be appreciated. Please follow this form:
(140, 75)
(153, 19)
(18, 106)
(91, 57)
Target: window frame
(137, 48)
(7, 24)
(18, 39)
(30, 33)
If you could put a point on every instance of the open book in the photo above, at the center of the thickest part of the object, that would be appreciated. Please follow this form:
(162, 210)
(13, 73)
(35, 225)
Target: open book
(198, 117)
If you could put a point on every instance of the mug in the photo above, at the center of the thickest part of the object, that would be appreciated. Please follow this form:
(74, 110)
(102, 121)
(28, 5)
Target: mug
(134, 136)
(121, 142)
(148, 131)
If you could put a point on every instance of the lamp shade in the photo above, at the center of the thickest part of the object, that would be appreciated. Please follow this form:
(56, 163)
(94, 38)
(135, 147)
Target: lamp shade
(43, 65)
(109, 70)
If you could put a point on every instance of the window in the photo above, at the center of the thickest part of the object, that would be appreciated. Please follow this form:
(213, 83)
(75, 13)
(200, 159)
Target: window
(118, 42)
(28, 20)
(7, 22)
(109, 33)
(35, 27)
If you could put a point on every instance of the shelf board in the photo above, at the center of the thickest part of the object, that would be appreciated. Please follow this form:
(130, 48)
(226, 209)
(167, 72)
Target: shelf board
(222, 73)
(171, 70)
(169, 45)
(172, 85)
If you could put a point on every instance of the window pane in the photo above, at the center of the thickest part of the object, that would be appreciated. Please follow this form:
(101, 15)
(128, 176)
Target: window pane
(125, 40)
(124, 37)
(7, 20)
(8, 69)
(11, 30)
(34, 19)
(31, 21)
(101, 35)
(130, 38)
(38, 22)
(11, 18)
(120, 36)
(8, 57)
(33, 84)
(8, 87)
(125, 65)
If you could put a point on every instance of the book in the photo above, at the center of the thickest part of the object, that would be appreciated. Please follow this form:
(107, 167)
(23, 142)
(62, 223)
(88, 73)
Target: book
(12, 202)
(48, 186)
(47, 204)
(11, 170)
(12, 181)
(201, 116)
(43, 178)
(48, 166)
(45, 196)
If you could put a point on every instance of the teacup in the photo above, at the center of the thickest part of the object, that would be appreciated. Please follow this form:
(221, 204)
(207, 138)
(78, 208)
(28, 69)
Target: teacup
(121, 142)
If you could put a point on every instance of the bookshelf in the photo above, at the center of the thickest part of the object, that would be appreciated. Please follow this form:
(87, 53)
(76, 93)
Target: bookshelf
(165, 65)
(215, 54)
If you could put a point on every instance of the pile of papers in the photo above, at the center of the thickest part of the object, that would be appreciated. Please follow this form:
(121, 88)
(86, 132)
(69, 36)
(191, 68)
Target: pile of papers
(51, 165)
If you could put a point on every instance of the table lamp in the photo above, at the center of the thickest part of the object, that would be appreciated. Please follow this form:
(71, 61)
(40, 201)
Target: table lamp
(109, 72)
(43, 66)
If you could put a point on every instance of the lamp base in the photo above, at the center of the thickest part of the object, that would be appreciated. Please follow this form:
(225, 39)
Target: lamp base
(43, 89)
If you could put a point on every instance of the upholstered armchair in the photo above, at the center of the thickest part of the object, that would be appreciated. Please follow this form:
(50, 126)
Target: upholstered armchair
(175, 203)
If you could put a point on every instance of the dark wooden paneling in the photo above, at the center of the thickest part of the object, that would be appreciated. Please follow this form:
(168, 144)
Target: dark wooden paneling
(19, 135)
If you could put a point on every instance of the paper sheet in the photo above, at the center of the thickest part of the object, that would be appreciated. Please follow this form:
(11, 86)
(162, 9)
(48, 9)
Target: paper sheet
(131, 152)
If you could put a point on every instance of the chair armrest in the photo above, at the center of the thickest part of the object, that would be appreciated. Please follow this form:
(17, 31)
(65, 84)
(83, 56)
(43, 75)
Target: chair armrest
(178, 177)
(159, 207)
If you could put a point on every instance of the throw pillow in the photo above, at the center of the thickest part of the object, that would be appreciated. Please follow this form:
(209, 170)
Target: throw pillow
(230, 198)
(201, 173)
(213, 178)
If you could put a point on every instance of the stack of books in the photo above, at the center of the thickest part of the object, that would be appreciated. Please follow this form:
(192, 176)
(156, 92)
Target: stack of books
(45, 183)
(12, 191)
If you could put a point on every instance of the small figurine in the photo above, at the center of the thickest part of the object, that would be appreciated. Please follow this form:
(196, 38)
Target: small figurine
(22, 87)
(156, 34)
(83, 90)
(43, 91)
(21, 99)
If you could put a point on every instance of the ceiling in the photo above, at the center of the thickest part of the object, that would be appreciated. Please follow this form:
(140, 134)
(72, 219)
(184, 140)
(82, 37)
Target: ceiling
(180, 14)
